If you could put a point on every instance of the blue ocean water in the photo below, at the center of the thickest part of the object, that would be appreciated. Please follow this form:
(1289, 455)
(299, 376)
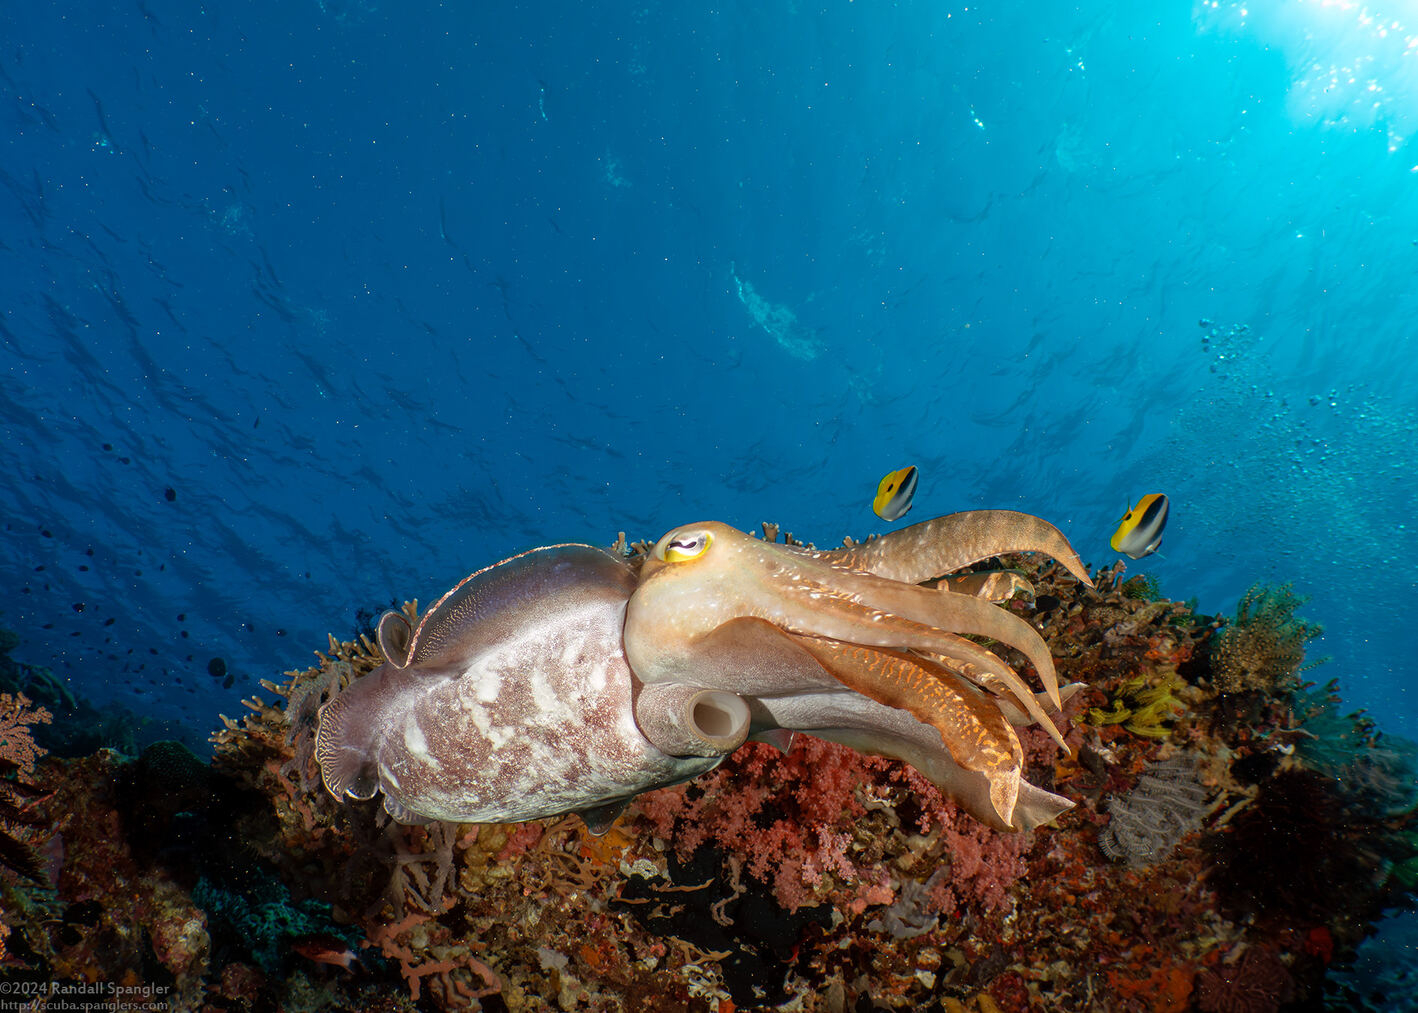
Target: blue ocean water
(312, 306)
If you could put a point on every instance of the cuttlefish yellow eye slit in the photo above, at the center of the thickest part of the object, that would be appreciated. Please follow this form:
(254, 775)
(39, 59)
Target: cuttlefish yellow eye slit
(682, 546)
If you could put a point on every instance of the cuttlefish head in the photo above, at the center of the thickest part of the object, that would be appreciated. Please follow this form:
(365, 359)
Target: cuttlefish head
(801, 635)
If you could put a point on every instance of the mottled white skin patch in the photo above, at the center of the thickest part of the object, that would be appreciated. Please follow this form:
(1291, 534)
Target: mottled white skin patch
(559, 736)
(525, 710)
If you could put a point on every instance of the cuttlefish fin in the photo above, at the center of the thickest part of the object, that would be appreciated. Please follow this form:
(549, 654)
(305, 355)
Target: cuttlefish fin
(471, 612)
(946, 544)
(601, 818)
(348, 738)
(972, 728)
(402, 814)
(780, 739)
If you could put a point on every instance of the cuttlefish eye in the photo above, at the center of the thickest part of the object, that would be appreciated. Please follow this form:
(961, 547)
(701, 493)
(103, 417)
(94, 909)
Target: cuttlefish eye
(683, 546)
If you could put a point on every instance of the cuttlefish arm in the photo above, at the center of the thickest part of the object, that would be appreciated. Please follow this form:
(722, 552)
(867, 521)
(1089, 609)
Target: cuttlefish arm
(946, 544)
(752, 657)
(700, 577)
(870, 727)
(991, 585)
(884, 702)
(935, 615)
(972, 727)
(1001, 680)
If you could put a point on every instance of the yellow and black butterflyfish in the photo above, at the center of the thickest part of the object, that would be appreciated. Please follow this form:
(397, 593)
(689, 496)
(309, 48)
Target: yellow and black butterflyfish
(893, 494)
(1140, 531)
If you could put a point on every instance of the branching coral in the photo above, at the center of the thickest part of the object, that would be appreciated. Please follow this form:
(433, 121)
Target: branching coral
(1264, 649)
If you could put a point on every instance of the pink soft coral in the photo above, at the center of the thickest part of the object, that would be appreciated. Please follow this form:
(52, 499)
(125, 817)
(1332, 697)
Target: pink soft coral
(793, 818)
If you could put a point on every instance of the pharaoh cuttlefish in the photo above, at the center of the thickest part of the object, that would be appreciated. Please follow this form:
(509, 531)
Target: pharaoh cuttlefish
(563, 680)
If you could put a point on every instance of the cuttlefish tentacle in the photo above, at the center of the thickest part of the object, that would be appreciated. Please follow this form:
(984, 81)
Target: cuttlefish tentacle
(861, 657)
(958, 654)
(980, 665)
(1020, 719)
(946, 544)
(972, 727)
(744, 655)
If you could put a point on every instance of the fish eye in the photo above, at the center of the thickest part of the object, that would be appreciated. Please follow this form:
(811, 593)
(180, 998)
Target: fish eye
(683, 546)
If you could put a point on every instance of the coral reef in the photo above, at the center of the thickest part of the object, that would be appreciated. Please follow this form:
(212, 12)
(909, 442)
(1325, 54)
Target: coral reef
(1258, 833)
